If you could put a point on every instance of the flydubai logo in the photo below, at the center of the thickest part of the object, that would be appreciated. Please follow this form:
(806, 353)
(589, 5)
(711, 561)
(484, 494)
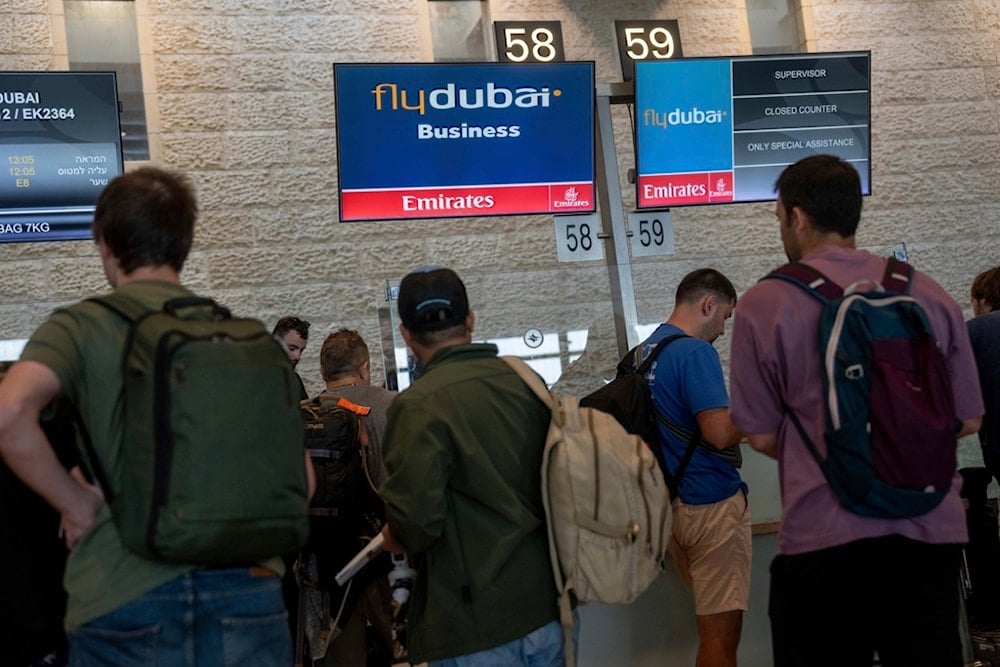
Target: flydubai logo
(389, 96)
(694, 116)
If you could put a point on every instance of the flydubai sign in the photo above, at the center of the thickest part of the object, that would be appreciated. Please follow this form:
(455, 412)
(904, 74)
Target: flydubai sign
(391, 96)
(693, 116)
(717, 130)
(464, 139)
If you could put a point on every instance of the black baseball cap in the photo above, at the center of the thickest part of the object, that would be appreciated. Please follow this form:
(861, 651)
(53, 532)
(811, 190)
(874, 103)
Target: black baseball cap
(432, 298)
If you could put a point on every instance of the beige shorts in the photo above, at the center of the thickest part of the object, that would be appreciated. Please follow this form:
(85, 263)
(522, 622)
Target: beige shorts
(711, 546)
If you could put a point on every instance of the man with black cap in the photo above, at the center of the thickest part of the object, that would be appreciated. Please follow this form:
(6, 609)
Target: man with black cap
(463, 449)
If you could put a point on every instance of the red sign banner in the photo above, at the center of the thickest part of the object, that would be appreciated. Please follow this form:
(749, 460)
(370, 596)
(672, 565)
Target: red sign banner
(403, 203)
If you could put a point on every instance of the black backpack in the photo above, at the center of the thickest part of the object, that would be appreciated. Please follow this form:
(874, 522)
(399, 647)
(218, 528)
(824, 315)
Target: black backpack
(346, 510)
(627, 398)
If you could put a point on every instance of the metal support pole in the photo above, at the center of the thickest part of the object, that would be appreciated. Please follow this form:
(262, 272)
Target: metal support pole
(613, 222)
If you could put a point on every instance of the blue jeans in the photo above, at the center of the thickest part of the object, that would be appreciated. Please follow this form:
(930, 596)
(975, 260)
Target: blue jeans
(540, 648)
(205, 618)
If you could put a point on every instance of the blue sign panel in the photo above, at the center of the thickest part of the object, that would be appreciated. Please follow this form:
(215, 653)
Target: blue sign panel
(695, 109)
(460, 139)
(715, 130)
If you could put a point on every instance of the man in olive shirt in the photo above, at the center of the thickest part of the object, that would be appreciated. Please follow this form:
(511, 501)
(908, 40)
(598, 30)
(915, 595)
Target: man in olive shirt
(463, 449)
(124, 609)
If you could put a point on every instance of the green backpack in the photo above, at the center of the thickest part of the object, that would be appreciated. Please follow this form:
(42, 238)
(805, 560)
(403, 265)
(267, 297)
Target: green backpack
(211, 470)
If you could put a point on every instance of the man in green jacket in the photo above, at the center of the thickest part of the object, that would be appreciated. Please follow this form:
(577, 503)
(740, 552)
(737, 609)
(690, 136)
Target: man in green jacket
(463, 449)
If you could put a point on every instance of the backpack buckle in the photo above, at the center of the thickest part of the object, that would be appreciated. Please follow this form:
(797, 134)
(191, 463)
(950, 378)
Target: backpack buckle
(854, 372)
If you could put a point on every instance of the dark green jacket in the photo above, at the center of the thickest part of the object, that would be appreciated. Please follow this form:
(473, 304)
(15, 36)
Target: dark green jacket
(463, 449)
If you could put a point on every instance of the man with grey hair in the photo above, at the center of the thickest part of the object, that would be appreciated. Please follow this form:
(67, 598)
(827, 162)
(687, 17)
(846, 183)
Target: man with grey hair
(345, 364)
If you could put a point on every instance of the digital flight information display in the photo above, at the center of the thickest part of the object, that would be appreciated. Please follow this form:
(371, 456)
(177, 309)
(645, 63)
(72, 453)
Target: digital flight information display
(721, 130)
(464, 139)
(60, 144)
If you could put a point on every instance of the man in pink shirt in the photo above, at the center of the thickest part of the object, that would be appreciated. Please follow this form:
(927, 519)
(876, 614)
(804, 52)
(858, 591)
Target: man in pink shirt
(843, 586)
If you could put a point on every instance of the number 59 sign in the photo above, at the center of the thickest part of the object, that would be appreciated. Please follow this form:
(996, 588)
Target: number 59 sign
(652, 233)
(646, 40)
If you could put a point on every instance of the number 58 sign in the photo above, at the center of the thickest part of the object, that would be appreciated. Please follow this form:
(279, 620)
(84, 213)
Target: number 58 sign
(529, 41)
(576, 237)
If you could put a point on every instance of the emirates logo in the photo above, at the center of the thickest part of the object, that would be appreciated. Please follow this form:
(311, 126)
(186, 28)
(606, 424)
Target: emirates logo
(571, 199)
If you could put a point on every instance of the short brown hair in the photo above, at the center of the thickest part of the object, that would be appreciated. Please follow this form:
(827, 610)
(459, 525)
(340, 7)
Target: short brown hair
(291, 323)
(827, 188)
(146, 218)
(343, 353)
(700, 282)
(986, 287)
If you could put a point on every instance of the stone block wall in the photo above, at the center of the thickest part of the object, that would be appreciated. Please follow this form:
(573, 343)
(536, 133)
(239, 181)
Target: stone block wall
(240, 94)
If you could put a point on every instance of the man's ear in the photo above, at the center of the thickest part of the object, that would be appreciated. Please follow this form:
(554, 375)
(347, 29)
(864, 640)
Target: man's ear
(708, 304)
(798, 219)
(407, 336)
(109, 262)
(470, 322)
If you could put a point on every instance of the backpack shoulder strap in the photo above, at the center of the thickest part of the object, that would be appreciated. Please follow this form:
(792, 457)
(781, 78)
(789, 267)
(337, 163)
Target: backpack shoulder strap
(633, 356)
(93, 463)
(563, 584)
(897, 278)
(124, 307)
(533, 380)
(132, 311)
(361, 411)
(809, 279)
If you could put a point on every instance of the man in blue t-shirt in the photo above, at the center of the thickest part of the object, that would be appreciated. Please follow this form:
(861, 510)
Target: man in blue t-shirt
(711, 529)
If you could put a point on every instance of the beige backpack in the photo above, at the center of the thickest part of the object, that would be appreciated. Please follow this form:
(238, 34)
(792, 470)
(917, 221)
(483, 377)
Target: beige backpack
(606, 502)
